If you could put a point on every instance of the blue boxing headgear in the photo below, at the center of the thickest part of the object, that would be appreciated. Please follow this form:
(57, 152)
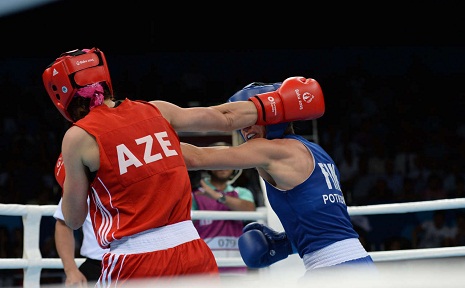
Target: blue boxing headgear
(272, 131)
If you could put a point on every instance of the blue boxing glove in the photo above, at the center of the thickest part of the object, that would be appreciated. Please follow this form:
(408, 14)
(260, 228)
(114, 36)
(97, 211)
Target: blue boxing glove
(272, 131)
(260, 246)
(253, 89)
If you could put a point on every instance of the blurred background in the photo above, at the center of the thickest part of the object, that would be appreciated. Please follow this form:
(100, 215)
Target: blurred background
(393, 84)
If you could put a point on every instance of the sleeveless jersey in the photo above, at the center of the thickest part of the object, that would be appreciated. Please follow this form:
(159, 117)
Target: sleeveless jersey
(142, 182)
(314, 213)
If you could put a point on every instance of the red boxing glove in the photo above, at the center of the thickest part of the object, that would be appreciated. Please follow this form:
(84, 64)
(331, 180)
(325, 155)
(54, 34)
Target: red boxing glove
(60, 171)
(298, 98)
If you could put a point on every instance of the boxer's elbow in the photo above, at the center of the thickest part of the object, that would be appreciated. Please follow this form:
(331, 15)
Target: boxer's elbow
(73, 223)
(74, 220)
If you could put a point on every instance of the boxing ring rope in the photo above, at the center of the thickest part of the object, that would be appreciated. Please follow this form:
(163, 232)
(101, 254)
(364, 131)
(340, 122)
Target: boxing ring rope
(32, 262)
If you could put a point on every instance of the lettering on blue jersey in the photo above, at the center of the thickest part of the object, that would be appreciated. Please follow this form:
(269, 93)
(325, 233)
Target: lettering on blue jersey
(126, 158)
(333, 198)
(329, 172)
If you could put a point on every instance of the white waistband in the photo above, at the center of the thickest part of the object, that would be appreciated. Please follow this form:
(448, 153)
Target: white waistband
(156, 239)
(335, 253)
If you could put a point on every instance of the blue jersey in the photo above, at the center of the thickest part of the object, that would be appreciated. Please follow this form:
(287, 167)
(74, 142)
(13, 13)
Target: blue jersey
(314, 213)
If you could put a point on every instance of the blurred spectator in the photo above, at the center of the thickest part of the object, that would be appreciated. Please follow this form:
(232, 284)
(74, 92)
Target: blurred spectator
(453, 172)
(459, 188)
(333, 139)
(377, 159)
(349, 169)
(363, 182)
(420, 173)
(404, 160)
(363, 136)
(380, 193)
(459, 229)
(397, 243)
(436, 148)
(433, 233)
(407, 193)
(434, 189)
(393, 178)
(342, 142)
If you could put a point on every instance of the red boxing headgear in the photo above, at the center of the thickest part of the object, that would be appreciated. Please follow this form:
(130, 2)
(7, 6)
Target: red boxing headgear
(71, 71)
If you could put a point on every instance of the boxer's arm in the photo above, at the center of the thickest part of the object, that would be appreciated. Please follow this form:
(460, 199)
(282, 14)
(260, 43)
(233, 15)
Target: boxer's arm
(224, 117)
(298, 98)
(64, 242)
(76, 147)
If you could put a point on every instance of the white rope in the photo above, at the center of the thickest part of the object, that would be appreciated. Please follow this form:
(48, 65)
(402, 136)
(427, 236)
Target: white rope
(32, 261)
(260, 214)
(21, 210)
(397, 208)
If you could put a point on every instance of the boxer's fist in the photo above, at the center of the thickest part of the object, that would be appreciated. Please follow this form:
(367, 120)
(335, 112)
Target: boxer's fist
(60, 171)
(298, 98)
(260, 246)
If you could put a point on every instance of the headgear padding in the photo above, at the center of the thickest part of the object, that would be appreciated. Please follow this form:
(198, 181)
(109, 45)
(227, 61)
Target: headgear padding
(73, 70)
(254, 88)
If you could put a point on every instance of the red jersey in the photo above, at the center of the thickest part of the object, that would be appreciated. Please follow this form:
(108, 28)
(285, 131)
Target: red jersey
(142, 182)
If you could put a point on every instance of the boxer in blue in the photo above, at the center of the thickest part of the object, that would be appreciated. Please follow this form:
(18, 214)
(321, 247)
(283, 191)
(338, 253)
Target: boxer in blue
(303, 188)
